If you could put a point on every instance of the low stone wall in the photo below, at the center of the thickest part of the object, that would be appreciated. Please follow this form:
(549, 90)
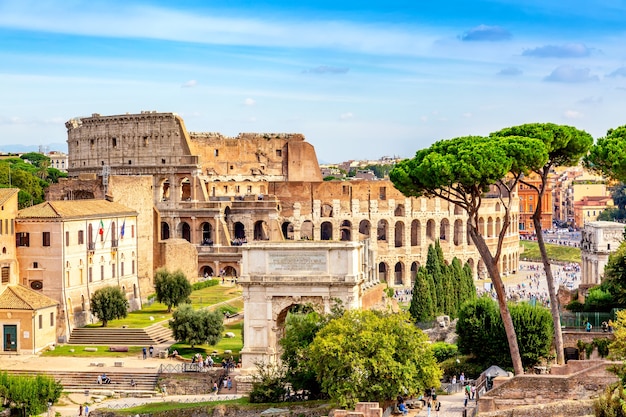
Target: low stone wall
(188, 383)
(573, 384)
(569, 408)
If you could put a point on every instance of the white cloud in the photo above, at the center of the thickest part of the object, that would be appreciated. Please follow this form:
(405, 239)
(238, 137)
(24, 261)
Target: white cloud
(573, 114)
(190, 84)
(346, 116)
(249, 102)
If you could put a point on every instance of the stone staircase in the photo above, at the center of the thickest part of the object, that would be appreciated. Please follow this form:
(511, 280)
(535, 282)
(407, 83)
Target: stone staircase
(153, 335)
(83, 381)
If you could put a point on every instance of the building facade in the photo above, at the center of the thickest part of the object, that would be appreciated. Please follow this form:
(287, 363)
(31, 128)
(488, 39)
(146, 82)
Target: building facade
(219, 193)
(69, 249)
(27, 318)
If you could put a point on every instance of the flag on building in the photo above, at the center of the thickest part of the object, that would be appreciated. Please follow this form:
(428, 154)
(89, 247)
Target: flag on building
(122, 229)
(101, 229)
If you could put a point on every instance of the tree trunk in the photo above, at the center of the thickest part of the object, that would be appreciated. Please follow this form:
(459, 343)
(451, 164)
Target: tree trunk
(496, 279)
(554, 301)
(104, 323)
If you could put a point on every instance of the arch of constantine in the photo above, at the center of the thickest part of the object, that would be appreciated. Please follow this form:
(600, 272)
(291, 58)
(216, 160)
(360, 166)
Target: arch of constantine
(278, 276)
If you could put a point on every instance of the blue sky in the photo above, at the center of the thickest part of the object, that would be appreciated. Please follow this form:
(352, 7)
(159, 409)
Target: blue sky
(358, 79)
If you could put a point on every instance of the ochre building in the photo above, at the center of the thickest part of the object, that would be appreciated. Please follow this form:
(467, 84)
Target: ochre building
(218, 193)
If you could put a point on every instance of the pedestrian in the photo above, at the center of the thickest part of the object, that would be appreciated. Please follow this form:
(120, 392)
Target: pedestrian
(151, 350)
(473, 391)
(80, 410)
(86, 410)
(145, 352)
(429, 405)
(462, 378)
(230, 384)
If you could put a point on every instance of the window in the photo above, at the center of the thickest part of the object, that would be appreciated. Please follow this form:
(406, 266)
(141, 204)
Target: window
(81, 237)
(249, 190)
(145, 141)
(51, 319)
(22, 239)
(114, 142)
(382, 192)
(132, 267)
(5, 274)
(1, 227)
(113, 271)
(67, 238)
(121, 269)
(35, 265)
(46, 238)
(216, 153)
(40, 321)
(90, 274)
(279, 152)
(101, 272)
(132, 230)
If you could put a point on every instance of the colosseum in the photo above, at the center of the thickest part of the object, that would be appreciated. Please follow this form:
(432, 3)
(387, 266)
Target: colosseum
(218, 192)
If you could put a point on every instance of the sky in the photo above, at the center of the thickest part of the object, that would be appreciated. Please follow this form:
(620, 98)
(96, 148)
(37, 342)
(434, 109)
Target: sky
(360, 79)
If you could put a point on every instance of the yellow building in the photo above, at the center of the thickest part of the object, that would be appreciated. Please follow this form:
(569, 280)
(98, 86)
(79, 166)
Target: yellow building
(69, 249)
(27, 318)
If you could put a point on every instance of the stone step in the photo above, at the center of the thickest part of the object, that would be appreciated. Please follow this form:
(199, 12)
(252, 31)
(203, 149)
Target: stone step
(152, 335)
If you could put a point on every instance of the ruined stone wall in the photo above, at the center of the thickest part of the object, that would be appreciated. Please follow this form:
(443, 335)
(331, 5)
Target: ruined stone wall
(136, 192)
(523, 390)
(127, 143)
(259, 156)
(179, 254)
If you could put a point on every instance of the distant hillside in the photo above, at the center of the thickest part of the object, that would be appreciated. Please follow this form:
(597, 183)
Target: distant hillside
(17, 148)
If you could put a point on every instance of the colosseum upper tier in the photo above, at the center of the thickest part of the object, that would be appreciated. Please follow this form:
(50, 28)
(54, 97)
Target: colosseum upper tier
(220, 192)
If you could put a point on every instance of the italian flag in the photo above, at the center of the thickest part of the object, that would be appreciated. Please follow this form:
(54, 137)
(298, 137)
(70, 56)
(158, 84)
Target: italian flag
(101, 229)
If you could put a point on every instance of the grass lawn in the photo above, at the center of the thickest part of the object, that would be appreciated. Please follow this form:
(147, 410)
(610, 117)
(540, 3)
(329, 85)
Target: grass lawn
(555, 252)
(103, 352)
(199, 299)
(233, 344)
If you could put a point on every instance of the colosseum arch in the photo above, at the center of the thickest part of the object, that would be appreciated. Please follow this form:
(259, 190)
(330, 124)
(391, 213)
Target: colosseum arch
(306, 230)
(398, 274)
(382, 230)
(383, 270)
(490, 227)
(261, 231)
(399, 234)
(346, 230)
(498, 226)
(326, 231)
(458, 232)
(164, 187)
(414, 267)
(399, 211)
(326, 210)
(458, 210)
(184, 231)
(240, 230)
(416, 233)
(287, 228)
(207, 233)
(185, 189)
(364, 228)
(165, 231)
(206, 271)
(444, 230)
(430, 230)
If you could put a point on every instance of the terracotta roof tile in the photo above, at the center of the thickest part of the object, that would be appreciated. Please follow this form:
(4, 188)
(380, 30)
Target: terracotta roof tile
(17, 297)
(6, 193)
(73, 209)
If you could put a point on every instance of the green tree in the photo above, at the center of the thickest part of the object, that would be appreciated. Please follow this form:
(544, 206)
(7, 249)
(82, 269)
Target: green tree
(29, 394)
(481, 332)
(268, 383)
(36, 158)
(618, 346)
(171, 289)
(109, 303)
(566, 146)
(608, 155)
(433, 268)
(300, 330)
(422, 308)
(197, 327)
(372, 356)
(465, 170)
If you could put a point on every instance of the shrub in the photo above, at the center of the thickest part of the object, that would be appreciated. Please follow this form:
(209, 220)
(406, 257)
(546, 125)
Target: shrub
(443, 351)
(205, 284)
